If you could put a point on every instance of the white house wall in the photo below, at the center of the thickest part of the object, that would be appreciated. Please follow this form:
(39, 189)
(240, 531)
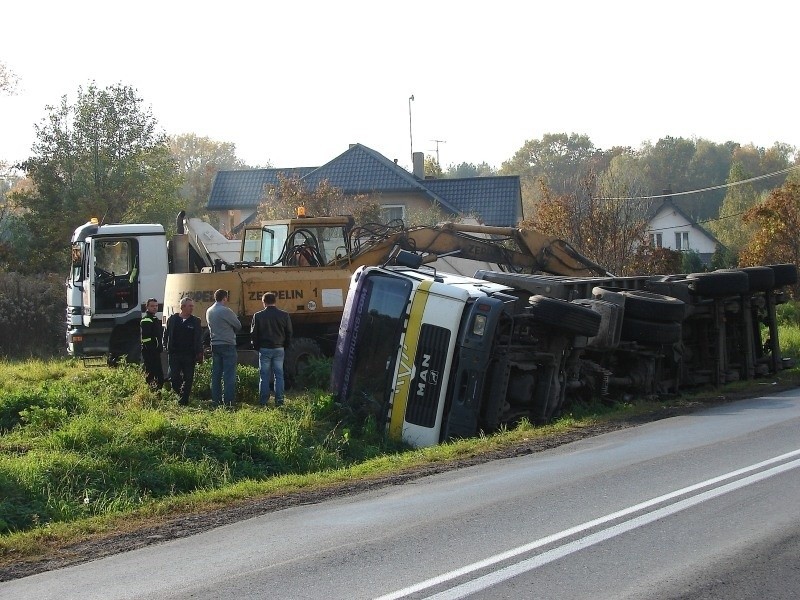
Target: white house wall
(667, 222)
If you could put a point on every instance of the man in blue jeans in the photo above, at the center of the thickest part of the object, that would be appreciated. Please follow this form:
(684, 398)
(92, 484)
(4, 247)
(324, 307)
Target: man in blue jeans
(271, 334)
(223, 324)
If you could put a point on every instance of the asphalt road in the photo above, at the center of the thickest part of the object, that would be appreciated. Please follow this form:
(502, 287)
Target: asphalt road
(700, 506)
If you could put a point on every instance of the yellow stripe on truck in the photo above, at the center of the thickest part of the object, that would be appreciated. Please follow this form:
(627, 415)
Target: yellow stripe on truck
(408, 353)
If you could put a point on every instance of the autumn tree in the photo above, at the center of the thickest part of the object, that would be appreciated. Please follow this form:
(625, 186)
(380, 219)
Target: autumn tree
(776, 221)
(599, 221)
(198, 159)
(103, 157)
(282, 201)
(653, 260)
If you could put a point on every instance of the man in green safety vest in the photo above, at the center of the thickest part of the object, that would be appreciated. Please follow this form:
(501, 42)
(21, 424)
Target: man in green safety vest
(152, 333)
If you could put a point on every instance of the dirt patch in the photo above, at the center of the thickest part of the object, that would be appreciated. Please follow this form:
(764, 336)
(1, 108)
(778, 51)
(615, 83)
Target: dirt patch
(191, 524)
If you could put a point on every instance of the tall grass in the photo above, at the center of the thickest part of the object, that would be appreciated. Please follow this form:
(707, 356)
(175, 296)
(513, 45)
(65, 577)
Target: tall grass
(788, 316)
(76, 443)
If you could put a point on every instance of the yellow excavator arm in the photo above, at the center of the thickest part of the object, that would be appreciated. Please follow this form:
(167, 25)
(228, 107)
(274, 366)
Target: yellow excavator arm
(520, 250)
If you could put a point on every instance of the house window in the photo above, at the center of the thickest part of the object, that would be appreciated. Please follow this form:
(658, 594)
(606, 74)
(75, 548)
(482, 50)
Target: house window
(681, 240)
(657, 240)
(390, 212)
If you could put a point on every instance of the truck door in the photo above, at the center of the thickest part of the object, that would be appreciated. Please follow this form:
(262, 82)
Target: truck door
(114, 272)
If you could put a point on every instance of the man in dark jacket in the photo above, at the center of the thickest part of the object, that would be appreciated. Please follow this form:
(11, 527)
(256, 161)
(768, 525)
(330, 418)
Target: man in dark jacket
(184, 345)
(151, 332)
(271, 334)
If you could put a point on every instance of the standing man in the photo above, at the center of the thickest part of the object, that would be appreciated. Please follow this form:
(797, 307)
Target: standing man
(223, 324)
(271, 334)
(183, 341)
(151, 331)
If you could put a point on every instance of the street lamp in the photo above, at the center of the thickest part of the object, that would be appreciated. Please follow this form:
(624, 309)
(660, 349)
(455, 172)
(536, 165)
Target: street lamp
(410, 134)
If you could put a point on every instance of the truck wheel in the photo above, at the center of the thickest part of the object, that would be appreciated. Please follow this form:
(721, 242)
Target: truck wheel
(785, 274)
(718, 283)
(565, 315)
(298, 357)
(761, 279)
(646, 305)
(650, 332)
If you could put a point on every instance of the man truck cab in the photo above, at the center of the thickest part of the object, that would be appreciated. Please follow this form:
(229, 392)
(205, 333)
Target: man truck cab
(114, 270)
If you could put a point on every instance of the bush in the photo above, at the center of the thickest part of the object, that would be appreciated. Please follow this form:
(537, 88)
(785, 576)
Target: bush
(316, 374)
(788, 314)
(32, 316)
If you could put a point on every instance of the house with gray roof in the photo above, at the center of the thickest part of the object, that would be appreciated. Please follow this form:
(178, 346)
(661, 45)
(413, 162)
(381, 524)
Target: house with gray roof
(235, 195)
(670, 227)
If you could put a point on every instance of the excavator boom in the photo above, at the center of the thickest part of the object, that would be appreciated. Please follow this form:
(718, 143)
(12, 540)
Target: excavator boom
(513, 249)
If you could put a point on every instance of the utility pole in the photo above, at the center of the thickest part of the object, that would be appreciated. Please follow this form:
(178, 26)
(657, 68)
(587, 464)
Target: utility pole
(410, 134)
(437, 142)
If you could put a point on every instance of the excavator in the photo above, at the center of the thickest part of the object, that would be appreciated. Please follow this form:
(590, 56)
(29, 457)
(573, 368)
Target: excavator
(308, 262)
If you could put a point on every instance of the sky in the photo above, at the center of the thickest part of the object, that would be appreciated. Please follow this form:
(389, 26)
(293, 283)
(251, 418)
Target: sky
(295, 83)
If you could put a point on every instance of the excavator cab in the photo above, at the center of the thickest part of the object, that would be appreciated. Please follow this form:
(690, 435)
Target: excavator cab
(305, 241)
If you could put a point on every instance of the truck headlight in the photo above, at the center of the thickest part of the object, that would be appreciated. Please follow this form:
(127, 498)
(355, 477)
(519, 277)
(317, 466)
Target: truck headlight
(479, 325)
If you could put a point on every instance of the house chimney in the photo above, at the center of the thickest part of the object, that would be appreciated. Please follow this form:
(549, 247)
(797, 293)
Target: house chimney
(419, 165)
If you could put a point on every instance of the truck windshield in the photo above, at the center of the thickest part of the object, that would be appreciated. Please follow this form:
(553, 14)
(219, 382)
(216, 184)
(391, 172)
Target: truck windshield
(368, 344)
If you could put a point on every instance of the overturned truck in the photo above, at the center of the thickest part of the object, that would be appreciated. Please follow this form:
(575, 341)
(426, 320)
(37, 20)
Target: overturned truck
(433, 356)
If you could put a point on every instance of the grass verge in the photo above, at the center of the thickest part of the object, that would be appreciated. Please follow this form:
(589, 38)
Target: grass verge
(88, 454)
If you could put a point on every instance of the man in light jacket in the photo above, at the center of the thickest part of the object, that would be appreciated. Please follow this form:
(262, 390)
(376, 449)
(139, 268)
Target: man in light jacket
(223, 324)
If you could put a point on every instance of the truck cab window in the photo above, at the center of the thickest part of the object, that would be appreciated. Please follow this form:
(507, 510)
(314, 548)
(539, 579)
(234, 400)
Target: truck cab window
(115, 266)
(77, 262)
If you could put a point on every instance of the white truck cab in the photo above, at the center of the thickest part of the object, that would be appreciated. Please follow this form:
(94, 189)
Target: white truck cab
(395, 353)
(114, 270)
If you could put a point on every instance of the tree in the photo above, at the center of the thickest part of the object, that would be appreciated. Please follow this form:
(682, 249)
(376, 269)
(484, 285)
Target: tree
(8, 80)
(466, 169)
(729, 228)
(283, 200)
(600, 225)
(709, 166)
(653, 260)
(559, 161)
(758, 161)
(432, 167)
(198, 160)
(776, 221)
(99, 157)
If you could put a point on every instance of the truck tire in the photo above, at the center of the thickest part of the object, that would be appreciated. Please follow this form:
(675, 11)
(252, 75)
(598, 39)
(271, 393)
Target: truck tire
(718, 283)
(645, 305)
(565, 315)
(297, 357)
(761, 279)
(650, 332)
(785, 274)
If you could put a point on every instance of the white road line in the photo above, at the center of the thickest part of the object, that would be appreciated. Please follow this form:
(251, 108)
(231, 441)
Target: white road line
(551, 555)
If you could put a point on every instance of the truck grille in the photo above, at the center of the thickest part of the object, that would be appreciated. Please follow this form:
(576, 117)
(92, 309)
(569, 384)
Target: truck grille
(429, 375)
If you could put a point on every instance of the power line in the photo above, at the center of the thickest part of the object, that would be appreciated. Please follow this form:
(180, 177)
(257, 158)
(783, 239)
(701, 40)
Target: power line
(708, 189)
